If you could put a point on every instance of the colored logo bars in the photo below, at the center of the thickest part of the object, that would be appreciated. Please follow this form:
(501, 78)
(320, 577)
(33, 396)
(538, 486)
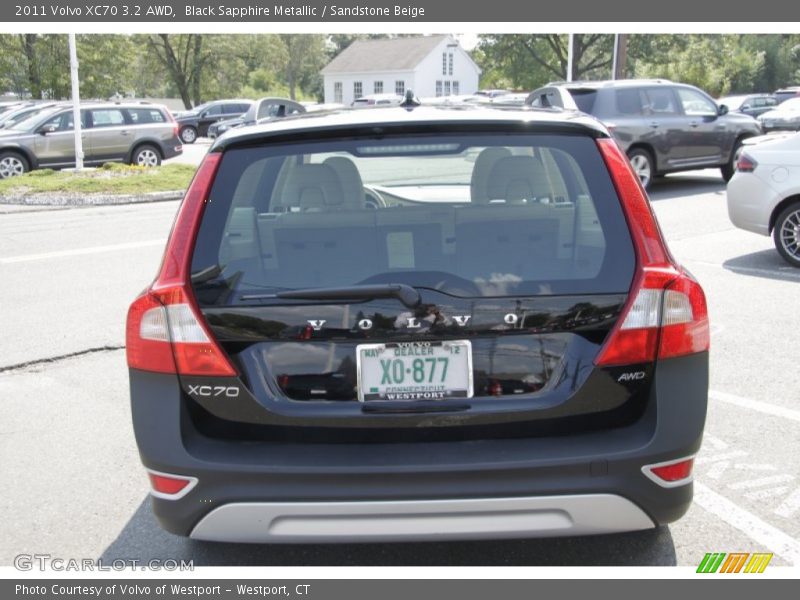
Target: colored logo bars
(735, 562)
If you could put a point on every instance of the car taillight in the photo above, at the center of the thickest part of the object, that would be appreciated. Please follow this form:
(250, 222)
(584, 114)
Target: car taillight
(172, 120)
(746, 164)
(672, 473)
(168, 486)
(666, 314)
(165, 330)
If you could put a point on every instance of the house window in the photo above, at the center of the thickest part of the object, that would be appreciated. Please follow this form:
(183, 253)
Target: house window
(444, 63)
(450, 64)
(358, 90)
(377, 87)
(400, 88)
(455, 89)
(337, 92)
(446, 88)
(438, 88)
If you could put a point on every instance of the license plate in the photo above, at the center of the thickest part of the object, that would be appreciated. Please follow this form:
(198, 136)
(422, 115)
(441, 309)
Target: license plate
(414, 370)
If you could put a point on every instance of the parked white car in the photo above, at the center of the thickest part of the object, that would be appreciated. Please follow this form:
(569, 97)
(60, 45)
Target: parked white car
(764, 193)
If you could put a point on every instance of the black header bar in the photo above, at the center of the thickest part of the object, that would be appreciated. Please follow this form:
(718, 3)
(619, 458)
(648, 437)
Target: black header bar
(399, 11)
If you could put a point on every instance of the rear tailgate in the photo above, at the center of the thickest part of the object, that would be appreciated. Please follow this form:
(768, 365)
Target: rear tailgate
(532, 308)
(518, 248)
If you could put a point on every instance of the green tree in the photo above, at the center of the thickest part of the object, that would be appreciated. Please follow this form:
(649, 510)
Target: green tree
(36, 65)
(105, 65)
(719, 64)
(529, 61)
(306, 57)
(183, 58)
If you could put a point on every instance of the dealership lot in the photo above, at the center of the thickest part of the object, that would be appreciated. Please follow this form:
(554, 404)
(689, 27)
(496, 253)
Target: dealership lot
(78, 490)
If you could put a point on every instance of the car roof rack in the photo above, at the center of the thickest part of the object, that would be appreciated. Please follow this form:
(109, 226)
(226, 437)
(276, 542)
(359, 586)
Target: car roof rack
(609, 82)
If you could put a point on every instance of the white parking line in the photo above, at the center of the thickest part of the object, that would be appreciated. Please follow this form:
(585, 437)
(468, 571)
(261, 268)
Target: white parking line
(790, 505)
(757, 405)
(752, 526)
(761, 482)
(768, 494)
(80, 251)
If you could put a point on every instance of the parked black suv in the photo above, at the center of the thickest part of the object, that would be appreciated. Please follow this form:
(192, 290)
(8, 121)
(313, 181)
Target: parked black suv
(417, 323)
(195, 123)
(663, 127)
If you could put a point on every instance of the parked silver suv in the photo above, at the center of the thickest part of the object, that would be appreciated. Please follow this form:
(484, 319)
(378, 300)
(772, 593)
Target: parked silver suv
(662, 126)
(136, 133)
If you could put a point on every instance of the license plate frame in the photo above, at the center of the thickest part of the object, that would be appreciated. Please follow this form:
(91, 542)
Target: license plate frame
(462, 392)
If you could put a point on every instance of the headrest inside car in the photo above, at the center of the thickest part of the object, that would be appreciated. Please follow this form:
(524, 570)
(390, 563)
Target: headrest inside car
(313, 187)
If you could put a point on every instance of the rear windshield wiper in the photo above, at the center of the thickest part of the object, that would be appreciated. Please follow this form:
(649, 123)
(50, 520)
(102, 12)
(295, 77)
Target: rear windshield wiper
(405, 293)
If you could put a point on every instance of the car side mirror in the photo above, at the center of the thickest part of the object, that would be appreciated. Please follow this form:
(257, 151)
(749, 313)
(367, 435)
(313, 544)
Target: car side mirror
(48, 129)
(744, 107)
(723, 110)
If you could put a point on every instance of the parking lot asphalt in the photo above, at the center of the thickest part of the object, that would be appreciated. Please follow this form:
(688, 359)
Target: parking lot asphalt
(74, 487)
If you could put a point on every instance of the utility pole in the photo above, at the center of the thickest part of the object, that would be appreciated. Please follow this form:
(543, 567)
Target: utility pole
(570, 49)
(76, 102)
(620, 55)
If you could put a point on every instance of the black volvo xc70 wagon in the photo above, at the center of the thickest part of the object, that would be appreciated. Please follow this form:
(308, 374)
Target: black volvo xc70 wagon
(418, 323)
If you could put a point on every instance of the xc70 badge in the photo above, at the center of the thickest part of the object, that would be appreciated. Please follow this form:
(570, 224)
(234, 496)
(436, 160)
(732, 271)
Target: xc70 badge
(213, 391)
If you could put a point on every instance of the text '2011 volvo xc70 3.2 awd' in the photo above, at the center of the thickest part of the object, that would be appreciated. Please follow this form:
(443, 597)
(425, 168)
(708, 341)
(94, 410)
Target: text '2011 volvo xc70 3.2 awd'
(418, 323)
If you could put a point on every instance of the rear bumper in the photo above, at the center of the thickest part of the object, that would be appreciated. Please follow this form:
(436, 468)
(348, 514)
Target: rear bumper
(419, 520)
(751, 200)
(546, 486)
(172, 148)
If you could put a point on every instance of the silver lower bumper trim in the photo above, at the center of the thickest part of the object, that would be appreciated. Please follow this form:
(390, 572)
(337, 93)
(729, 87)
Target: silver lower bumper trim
(407, 520)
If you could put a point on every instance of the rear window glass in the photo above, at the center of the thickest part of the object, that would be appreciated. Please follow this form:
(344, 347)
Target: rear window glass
(140, 116)
(468, 215)
(584, 99)
(268, 110)
(629, 101)
(107, 117)
(660, 102)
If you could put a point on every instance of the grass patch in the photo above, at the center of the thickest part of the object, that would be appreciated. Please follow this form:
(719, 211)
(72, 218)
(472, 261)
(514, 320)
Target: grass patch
(111, 178)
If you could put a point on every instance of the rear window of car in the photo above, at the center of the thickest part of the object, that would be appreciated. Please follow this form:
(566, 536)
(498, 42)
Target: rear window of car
(584, 99)
(141, 116)
(471, 215)
(268, 110)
